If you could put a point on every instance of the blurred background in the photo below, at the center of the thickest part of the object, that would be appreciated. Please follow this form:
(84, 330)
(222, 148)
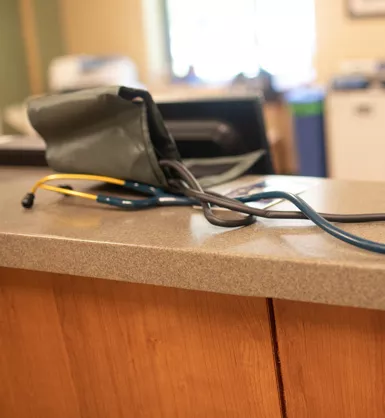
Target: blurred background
(317, 64)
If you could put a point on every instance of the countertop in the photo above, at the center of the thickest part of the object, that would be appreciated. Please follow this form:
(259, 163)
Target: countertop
(177, 247)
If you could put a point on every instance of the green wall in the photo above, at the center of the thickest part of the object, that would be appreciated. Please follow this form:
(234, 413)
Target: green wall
(14, 85)
(14, 81)
(49, 35)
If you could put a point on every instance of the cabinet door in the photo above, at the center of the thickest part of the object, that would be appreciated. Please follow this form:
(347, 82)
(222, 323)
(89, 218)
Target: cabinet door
(356, 135)
(332, 360)
(78, 347)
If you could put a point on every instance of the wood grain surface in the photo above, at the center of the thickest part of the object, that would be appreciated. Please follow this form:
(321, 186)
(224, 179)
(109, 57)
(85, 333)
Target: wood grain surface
(332, 360)
(79, 347)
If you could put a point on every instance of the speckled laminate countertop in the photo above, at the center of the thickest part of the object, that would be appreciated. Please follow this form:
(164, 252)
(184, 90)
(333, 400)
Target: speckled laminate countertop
(177, 247)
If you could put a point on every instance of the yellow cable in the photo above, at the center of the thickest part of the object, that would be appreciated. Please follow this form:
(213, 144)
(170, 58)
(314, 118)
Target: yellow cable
(68, 192)
(89, 177)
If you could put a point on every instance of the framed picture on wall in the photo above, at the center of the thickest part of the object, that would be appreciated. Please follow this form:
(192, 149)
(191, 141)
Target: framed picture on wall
(366, 8)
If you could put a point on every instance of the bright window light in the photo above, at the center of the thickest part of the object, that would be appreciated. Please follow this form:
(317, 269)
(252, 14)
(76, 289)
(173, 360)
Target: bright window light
(222, 38)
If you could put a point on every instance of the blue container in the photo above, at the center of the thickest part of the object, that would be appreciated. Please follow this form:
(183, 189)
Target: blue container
(307, 108)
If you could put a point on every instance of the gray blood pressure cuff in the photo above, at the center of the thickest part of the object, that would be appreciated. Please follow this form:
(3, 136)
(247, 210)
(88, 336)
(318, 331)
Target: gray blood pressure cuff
(117, 132)
(113, 131)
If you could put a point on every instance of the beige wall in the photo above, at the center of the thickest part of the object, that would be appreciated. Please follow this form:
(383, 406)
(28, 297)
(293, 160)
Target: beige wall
(134, 28)
(340, 37)
(106, 27)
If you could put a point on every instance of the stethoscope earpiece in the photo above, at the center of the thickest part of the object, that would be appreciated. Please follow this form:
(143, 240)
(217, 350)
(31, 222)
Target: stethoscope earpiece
(28, 200)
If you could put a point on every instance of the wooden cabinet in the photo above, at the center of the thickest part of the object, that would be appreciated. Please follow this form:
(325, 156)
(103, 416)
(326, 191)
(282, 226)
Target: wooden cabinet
(81, 347)
(279, 127)
(78, 347)
(332, 360)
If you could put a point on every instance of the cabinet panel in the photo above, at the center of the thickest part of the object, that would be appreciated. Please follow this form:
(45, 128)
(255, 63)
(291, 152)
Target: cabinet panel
(332, 360)
(79, 347)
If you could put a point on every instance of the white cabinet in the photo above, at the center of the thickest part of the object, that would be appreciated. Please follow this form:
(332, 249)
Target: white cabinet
(355, 127)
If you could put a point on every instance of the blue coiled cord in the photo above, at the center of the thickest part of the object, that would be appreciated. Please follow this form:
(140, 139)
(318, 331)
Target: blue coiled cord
(194, 190)
(327, 226)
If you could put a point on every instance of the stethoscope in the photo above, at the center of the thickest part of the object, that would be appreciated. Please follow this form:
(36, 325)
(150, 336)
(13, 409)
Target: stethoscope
(158, 197)
(190, 197)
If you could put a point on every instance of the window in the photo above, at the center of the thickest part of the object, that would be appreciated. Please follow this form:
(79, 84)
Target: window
(222, 38)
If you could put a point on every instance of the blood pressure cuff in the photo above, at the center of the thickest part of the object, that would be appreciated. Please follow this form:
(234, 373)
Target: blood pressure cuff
(118, 132)
(110, 131)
